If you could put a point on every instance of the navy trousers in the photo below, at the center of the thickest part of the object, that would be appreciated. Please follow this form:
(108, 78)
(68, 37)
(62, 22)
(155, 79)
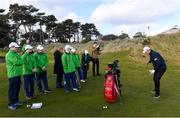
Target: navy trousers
(42, 76)
(29, 85)
(72, 77)
(157, 77)
(14, 89)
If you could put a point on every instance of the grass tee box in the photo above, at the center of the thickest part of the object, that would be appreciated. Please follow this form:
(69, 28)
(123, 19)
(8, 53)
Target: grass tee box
(89, 102)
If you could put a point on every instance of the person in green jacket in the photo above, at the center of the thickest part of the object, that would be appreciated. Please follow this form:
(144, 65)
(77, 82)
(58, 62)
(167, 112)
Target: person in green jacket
(69, 69)
(28, 72)
(77, 62)
(42, 61)
(14, 72)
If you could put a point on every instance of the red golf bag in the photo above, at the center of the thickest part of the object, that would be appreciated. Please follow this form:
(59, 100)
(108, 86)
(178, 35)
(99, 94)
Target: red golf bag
(112, 83)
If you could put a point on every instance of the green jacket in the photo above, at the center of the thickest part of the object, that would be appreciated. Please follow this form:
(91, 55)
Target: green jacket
(41, 60)
(76, 60)
(68, 64)
(13, 64)
(29, 63)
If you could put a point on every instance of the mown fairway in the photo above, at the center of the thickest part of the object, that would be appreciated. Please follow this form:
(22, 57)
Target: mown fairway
(136, 101)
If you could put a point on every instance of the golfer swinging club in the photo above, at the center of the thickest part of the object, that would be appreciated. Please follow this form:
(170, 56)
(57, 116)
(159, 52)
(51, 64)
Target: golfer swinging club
(159, 68)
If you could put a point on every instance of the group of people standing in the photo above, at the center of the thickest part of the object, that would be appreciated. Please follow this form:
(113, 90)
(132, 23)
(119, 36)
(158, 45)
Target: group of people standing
(33, 65)
(71, 65)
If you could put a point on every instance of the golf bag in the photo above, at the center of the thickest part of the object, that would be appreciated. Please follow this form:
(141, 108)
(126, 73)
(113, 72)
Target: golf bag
(112, 83)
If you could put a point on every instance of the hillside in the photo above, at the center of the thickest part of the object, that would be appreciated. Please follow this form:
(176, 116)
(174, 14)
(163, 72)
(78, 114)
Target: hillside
(167, 44)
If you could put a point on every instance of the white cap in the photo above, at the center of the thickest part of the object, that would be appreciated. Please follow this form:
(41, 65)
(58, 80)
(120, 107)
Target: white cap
(145, 49)
(73, 50)
(67, 48)
(13, 44)
(28, 47)
(86, 52)
(40, 47)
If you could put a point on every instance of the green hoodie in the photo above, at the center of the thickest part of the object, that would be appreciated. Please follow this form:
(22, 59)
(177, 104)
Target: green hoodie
(41, 60)
(76, 60)
(13, 64)
(29, 63)
(68, 64)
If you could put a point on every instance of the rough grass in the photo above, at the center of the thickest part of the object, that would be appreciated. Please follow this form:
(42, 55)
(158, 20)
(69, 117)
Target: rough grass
(136, 101)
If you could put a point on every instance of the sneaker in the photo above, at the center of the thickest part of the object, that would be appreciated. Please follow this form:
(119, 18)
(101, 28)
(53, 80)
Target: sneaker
(83, 81)
(28, 98)
(75, 89)
(157, 96)
(47, 91)
(12, 107)
(18, 104)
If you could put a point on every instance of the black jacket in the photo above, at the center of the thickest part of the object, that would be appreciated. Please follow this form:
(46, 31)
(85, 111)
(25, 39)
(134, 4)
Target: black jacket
(85, 59)
(157, 60)
(58, 67)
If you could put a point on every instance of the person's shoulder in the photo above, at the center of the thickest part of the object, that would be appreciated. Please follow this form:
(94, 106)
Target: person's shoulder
(155, 53)
(35, 54)
(8, 54)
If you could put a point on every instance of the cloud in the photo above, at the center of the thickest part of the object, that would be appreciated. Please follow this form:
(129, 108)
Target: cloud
(133, 11)
(132, 16)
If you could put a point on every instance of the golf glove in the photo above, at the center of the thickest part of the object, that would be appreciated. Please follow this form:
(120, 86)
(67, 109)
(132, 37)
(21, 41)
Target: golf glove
(34, 70)
(43, 68)
(152, 71)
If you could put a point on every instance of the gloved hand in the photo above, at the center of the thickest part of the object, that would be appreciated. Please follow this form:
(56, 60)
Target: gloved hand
(44, 68)
(34, 70)
(152, 71)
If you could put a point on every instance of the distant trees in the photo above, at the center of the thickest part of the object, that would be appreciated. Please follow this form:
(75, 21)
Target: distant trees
(89, 30)
(123, 36)
(109, 37)
(4, 29)
(21, 20)
(139, 35)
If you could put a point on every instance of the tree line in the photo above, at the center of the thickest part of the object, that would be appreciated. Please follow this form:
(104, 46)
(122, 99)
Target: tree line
(27, 18)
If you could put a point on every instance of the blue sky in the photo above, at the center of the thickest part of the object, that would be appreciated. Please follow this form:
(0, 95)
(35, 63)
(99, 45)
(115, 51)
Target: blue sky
(113, 16)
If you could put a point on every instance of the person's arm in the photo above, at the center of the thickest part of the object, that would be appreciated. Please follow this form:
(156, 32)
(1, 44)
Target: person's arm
(34, 64)
(64, 62)
(157, 60)
(25, 62)
(16, 61)
(37, 64)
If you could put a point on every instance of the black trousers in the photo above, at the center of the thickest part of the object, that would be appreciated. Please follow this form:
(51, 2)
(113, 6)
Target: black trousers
(14, 89)
(59, 78)
(157, 77)
(95, 65)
